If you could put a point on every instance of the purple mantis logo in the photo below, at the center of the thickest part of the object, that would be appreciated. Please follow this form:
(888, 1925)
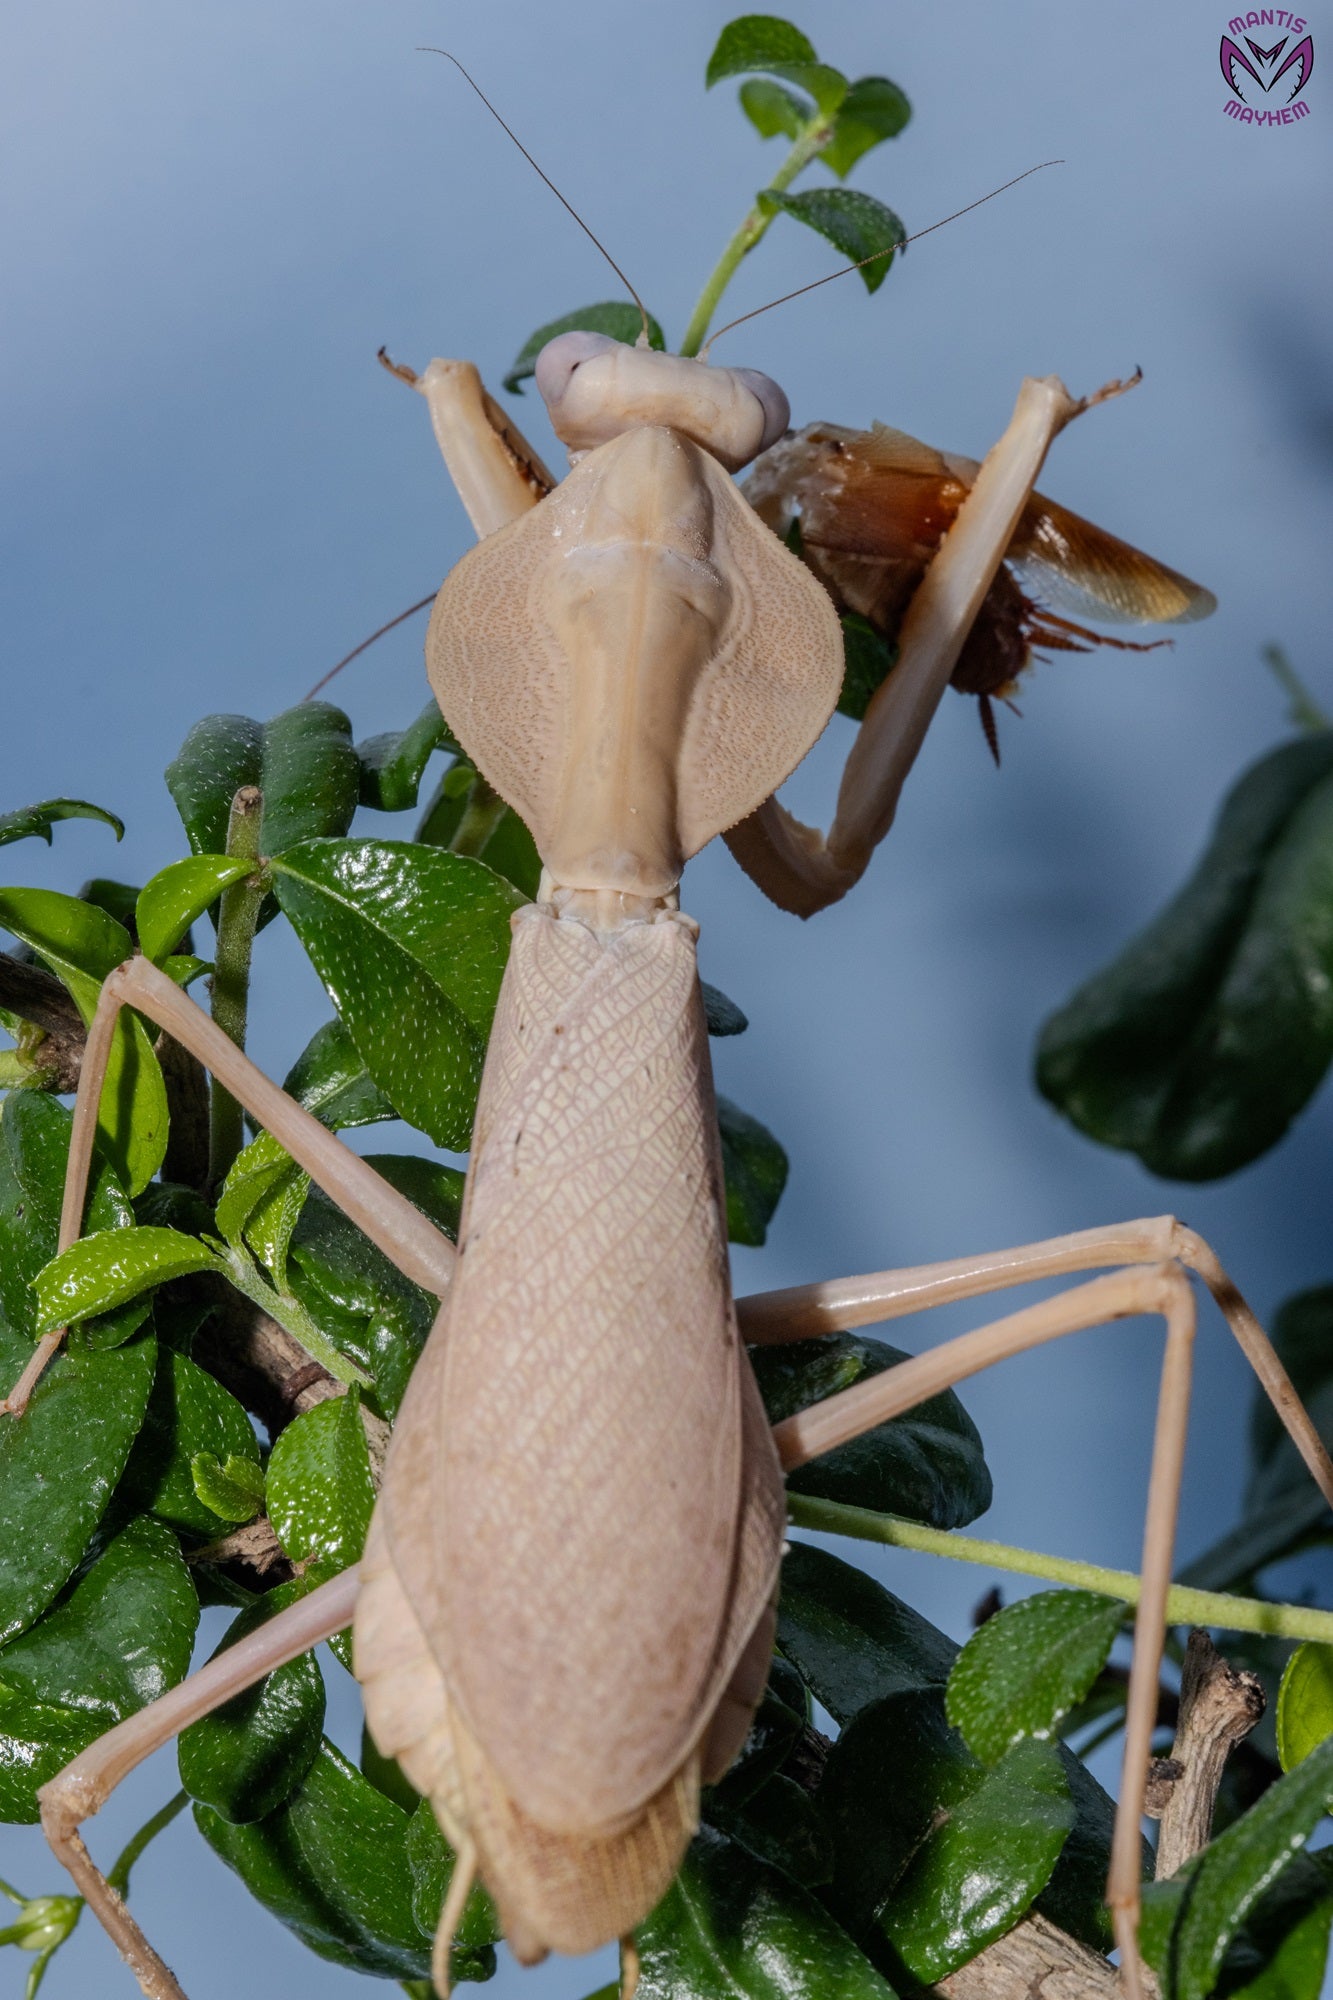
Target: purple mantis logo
(1266, 82)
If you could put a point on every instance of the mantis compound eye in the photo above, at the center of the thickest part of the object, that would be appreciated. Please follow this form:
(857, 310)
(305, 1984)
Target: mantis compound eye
(771, 399)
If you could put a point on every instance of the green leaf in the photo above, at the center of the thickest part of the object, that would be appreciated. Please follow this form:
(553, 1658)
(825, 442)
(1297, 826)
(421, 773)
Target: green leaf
(234, 1491)
(261, 1203)
(35, 822)
(330, 1080)
(37, 1739)
(854, 223)
(392, 764)
(1231, 1875)
(411, 944)
(245, 1759)
(320, 1492)
(1305, 1703)
(1075, 1897)
(177, 896)
(1197, 1046)
(104, 1270)
(34, 1146)
(619, 318)
(873, 110)
(868, 660)
(431, 1861)
(763, 42)
(941, 1852)
(723, 1016)
(782, 1826)
(82, 944)
(332, 1865)
(1023, 1671)
(59, 1464)
(730, 1926)
(928, 1464)
(852, 1641)
(773, 110)
(1287, 1935)
(303, 761)
(754, 1166)
(189, 1415)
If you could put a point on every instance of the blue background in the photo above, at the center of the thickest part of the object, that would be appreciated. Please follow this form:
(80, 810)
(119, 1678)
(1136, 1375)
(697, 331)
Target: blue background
(211, 218)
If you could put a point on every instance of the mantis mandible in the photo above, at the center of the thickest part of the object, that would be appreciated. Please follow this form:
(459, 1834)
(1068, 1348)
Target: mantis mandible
(564, 1614)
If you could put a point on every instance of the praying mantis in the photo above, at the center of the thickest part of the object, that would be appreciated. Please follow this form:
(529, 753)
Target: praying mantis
(636, 664)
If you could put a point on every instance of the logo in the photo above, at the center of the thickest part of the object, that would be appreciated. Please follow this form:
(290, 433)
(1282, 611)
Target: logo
(1266, 82)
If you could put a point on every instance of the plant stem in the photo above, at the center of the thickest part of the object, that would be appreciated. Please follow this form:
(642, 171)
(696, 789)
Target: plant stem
(806, 144)
(1303, 710)
(119, 1878)
(290, 1314)
(1184, 1606)
(237, 917)
(481, 815)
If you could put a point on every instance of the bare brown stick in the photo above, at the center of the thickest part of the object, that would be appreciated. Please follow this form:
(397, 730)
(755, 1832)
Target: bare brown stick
(1219, 1706)
(38, 997)
(1035, 1961)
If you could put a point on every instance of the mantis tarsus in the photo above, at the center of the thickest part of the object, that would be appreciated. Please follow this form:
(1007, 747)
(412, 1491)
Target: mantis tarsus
(635, 664)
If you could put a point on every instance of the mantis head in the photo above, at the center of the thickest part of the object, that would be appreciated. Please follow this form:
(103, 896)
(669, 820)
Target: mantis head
(595, 388)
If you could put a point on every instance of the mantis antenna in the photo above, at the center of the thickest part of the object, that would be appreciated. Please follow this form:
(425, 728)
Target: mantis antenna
(645, 337)
(815, 283)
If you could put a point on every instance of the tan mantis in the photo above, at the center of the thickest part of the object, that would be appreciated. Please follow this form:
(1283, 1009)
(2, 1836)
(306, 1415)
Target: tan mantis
(636, 664)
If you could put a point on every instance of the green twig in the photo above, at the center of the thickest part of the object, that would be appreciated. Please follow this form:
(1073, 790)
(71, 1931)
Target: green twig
(237, 918)
(119, 1877)
(808, 141)
(1302, 708)
(1183, 1607)
(289, 1313)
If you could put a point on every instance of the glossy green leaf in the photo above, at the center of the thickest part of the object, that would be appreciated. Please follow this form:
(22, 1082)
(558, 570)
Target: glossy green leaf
(59, 1464)
(1305, 1703)
(303, 761)
(617, 317)
(37, 1739)
(245, 1759)
(775, 1729)
(1284, 1948)
(782, 1826)
(178, 896)
(105, 1270)
(1197, 1046)
(1231, 1875)
(431, 1861)
(856, 224)
(331, 1864)
(411, 944)
(392, 764)
(773, 110)
(928, 1464)
(754, 1167)
(233, 1490)
(852, 1641)
(873, 110)
(943, 1853)
(34, 1146)
(1075, 1896)
(81, 944)
(189, 1415)
(730, 1926)
(723, 1016)
(762, 42)
(330, 1079)
(320, 1492)
(35, 822)
(868, 659)
(261, 1203)
(1023, 1671)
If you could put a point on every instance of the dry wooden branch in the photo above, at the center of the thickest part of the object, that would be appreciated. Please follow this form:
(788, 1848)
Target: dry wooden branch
(1219, 1706)
(1035, 1961)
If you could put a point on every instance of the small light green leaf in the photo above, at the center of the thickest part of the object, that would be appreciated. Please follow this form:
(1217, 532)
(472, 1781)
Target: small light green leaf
(773, 110)
(928, 1464)
(617, 317)
(177, 896)
(729, 1926)
(1026, 1667)
(852, 1641)
(1198, 1045)
(234, 1491)
(35, 822)
(189, 1414)
(873, 110)
(392, 764)
(411, 944)
(320, 1492)
(723, 1016)
(330, 1080)
(1305, 1703)
(245, 1759)
(854, 223)
(104, 1270)
(59, 1464)
(754, 1166)
(261, 1203)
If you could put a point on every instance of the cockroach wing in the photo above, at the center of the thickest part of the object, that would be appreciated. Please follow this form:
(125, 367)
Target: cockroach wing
(1072, 566)
(635, 663)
